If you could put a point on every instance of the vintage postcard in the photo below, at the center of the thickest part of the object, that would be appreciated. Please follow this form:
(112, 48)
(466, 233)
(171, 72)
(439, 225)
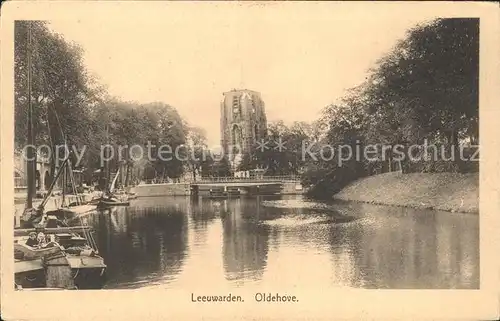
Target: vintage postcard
(249, 160)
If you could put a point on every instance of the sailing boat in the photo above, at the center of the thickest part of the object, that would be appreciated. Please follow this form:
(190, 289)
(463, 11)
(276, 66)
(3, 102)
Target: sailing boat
(78, 209)
(52, 254)
(109, 198)
(66, 260)
(125, 190)
(68, 212)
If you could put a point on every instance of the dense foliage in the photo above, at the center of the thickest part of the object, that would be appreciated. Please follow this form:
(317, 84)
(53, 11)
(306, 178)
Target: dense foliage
(68, 107)
(423, 92)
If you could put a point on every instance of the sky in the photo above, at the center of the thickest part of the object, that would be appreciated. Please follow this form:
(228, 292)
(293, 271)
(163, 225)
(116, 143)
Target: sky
(299, 60)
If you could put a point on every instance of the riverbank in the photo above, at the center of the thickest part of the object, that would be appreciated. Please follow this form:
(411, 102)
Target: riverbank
(440, 191)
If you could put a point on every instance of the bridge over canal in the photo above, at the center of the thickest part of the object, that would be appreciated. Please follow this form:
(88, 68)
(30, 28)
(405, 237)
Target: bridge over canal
(223, 186)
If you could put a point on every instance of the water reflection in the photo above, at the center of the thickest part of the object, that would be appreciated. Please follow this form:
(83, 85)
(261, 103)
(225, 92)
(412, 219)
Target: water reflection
(141, 244)
(195, 243)
(245, 243)
(405, 248)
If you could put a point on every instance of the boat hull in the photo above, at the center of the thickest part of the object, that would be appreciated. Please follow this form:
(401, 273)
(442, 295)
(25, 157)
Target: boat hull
(87, 273)
(112, 203)
(84, 279)
(70, 213)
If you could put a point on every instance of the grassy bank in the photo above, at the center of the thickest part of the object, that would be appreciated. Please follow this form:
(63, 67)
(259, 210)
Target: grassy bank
(441, 191)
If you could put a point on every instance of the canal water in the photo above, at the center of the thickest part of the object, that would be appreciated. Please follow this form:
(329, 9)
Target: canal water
(273, 242)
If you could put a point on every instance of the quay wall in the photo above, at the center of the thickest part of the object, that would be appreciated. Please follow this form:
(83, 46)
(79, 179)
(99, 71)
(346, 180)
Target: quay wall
(174, 189)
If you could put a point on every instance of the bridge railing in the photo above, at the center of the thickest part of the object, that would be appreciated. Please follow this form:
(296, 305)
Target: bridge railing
(288, 178)
(249, 179)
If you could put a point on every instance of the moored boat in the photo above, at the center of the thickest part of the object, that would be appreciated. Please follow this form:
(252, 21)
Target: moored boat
(47, 252)
(113, 198)
(72, 212)
(68, 260)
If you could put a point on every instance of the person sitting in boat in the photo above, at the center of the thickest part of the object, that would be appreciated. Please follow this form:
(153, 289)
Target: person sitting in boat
(42, 241)
(32, 240)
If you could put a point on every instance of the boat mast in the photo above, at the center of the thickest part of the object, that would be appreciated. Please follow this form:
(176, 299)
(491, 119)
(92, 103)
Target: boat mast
(68, 169)
(64, 183)
(127, 173)
(106, 168)
(31, 154)
(51, 187)
(112, 186)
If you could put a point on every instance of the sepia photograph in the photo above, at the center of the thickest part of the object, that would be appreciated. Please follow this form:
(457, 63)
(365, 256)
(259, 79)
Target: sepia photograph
(243, 153)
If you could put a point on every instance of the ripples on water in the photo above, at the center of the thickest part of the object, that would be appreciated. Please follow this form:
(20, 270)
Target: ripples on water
(264, 241)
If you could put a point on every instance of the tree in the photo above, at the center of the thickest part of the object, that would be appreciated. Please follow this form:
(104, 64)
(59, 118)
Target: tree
(222, 167)
(69, 107)
(155, 128)
(198, 151)
(282, 153)
(425, 89)
(171, 134)
(62, 92)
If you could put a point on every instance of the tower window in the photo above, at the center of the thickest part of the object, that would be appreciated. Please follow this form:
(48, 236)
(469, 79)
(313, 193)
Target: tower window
(236, 136)
(236, 106)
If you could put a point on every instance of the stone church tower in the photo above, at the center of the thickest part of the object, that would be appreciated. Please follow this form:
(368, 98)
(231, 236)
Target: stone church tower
(243, 122)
